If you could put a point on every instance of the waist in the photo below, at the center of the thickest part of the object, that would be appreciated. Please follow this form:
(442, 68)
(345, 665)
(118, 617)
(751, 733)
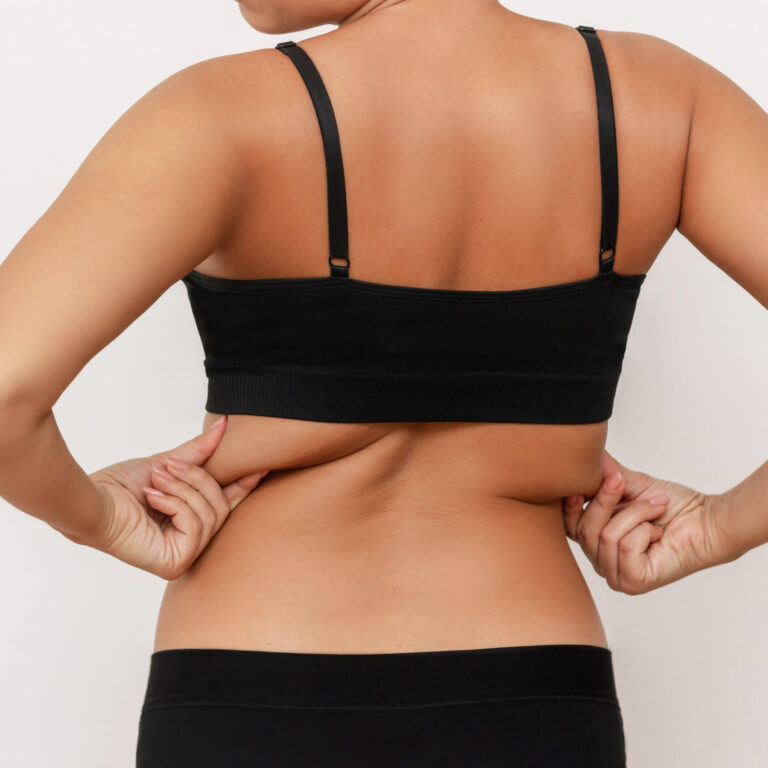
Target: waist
(299, 573)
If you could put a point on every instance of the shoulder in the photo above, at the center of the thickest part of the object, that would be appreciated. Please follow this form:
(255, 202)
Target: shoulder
(662, 72)
(641, 66)
(653, 80)
(214, 106)
(653, 59)
(216, 91)
(228, 80)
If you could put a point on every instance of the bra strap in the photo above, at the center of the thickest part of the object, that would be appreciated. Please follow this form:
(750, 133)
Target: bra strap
(609, 164)
(334, 168)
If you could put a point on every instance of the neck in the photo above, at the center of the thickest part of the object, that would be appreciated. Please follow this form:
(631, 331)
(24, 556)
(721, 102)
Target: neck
(435, 6)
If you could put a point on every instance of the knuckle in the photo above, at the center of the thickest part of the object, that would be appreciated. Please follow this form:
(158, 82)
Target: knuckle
(606, 536)
(582, 532)
(625, 546)
(212, 491)
(196, 473)
(598, 570)
(208, 488)
(221, 509)
(188, 475)
(168, 483)
(172, 572)
(629, 589)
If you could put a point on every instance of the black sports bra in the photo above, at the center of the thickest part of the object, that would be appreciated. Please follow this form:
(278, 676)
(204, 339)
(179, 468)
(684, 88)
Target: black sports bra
(338, 349)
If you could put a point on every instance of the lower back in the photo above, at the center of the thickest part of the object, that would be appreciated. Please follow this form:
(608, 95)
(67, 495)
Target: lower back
(391, 537)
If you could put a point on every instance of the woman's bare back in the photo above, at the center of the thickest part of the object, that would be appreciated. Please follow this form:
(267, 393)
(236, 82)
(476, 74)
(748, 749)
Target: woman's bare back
(471, 162)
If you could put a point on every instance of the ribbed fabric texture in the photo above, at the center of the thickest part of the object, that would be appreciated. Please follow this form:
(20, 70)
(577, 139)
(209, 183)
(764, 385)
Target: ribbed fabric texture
(385, 679)
(516, 707)
(341, 350)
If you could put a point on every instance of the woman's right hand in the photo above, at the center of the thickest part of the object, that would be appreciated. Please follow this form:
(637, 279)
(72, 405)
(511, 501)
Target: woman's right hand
(161, 522)
(645, 532)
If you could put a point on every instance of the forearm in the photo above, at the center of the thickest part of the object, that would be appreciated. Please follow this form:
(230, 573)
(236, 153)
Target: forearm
(743, 514)
(39, 476)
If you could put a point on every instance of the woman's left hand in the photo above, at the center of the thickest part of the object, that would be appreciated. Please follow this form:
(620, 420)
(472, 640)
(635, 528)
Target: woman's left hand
(645, 532)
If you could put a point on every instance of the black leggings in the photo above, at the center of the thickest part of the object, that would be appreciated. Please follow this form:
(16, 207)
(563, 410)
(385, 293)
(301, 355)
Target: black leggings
(534, 706)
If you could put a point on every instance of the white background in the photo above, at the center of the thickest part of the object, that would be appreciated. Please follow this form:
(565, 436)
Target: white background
(77, 626)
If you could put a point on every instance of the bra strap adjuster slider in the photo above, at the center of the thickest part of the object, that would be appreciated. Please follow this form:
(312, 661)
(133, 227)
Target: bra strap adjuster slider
(606, 264)
(339, 270)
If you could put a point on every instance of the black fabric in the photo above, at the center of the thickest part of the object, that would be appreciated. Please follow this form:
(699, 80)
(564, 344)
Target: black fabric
(334, 167)
(339, 349)
(351, 351)
(609, 161)
(520, 706)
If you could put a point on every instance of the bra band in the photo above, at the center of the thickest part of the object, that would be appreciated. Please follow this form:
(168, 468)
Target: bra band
(334, 167)
(609, 164)
(337, 197)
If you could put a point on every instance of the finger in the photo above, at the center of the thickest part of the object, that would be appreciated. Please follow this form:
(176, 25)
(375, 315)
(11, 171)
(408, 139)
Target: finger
(236, 491)
(199, 448)
(596, 516)
(611, 465)
(200, 491)
(634, 482)
(184, 533)
(634, 563)
(615, 531)
(573, 506)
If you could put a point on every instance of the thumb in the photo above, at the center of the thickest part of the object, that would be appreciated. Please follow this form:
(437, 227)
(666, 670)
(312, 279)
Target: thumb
(611, 489)
(199, 448)
(240, 488)
(634, 482)
(611, 466)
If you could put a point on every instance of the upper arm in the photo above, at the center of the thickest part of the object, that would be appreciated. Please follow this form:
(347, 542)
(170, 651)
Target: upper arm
(724, 206)
(155, 197)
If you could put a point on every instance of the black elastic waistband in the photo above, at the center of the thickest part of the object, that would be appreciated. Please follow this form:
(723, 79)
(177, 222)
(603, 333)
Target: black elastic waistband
(423, 677)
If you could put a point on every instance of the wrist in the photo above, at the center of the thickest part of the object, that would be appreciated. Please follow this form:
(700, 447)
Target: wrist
(93, 532)
(738, 518)
(728, 542)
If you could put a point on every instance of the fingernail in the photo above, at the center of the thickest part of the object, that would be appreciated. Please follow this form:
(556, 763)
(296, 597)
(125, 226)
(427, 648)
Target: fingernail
(571, 499)
(152, 491)
(216, 423)
(614, 482)
(177, 464)
(659, 499)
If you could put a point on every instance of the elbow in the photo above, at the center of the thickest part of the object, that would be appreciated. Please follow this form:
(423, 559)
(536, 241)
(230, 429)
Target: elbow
(20, 415)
